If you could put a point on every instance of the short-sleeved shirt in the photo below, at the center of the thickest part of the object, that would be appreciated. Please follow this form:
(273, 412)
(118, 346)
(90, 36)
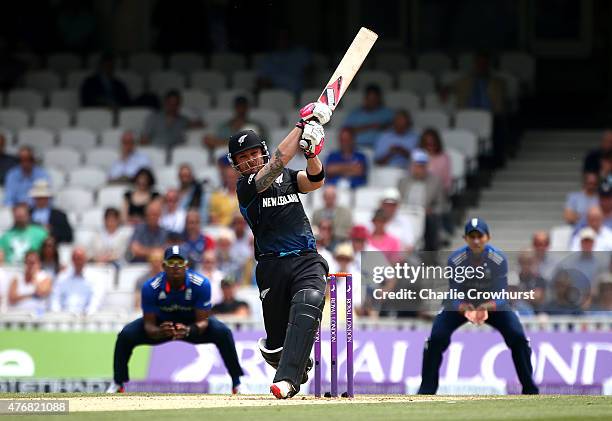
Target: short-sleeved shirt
(176, 305)
(276, 216)
(161, 133)
(129, 167)
(580, 202)
(338, 157)
(148, 237)
(362, 117)
(389, 139)
(17, 185)
(17, 242)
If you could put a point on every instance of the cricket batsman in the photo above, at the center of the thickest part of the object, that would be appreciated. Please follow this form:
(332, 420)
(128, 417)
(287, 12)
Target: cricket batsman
(291, 275)
(497, 313)
(176, 306)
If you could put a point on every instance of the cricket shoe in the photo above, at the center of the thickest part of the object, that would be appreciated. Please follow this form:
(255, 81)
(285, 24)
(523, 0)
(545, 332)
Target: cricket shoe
(309, 365)
(282, 390)
(115, 388)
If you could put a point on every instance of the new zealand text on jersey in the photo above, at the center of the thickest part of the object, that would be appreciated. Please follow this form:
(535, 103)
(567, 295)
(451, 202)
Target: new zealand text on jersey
(280, 200)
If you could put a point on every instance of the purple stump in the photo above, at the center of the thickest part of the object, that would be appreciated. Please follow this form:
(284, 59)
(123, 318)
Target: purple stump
(349, 336)
(333, 335)
(317, 363)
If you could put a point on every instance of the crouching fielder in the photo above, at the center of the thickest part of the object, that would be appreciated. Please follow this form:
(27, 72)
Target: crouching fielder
(487, 260)
(291, 275)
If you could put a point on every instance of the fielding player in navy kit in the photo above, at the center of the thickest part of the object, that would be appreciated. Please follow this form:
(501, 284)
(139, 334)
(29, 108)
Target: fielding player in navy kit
(492, 276)
(176, 306)
(291, 275)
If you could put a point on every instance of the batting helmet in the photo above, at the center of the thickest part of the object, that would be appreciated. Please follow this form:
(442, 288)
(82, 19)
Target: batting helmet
(245, 140)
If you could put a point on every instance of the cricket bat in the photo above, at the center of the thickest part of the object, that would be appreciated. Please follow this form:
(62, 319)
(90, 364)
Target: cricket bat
(348, 67)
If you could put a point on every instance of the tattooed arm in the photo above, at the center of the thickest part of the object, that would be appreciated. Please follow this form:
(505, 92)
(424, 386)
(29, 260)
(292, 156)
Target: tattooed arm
(282, 155)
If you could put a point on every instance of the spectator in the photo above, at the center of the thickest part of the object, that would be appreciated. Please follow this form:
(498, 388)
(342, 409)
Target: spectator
(586, 262)
(156, 260)
(52, 219)
(359, 241)
(173, 216)
(227, 262)
(397, 223)
(239, 121)
(6, 161)
(285, 66)
(344, 261)
(191, 192)
(604, 298)
(147, 235)
(111, 242)
(323, 234)
(242, 247)
(605, 205)
(394, 146)
(545, 261)
(420, 188)
(439, 161)
(347, 163)
(579, 202)
(167, 127)
(528, 279)
(49, 257)
(370, 119)
(74, 290)
(136, 200)
(130, 161)
(103, 89)
(224, 201)
(194, 242)
(603, 234)
(230, 305)
(565, 298)
(30, 290)
(381, 240)
(605, 165)
(341, 216)
(592, 162)
(214, 275)
(481, 89)
(23, 237)
(20, 179)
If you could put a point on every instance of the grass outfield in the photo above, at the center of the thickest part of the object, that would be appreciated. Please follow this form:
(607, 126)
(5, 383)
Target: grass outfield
(369, 408)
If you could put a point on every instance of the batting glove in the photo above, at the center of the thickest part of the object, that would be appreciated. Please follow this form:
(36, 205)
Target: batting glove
(316, 110)
(313, 139)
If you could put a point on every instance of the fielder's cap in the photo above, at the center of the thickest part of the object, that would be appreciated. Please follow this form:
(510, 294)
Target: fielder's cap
(419, 156)
(476, 224)
(588, 233)
(359, 232)
(40, 189)
(175, 251)
(391, 195)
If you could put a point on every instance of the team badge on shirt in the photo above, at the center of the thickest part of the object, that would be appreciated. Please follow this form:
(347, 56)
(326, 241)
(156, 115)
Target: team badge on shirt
(279, 179)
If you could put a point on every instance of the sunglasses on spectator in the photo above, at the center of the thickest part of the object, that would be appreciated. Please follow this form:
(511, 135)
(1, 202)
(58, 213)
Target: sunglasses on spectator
(176, 263)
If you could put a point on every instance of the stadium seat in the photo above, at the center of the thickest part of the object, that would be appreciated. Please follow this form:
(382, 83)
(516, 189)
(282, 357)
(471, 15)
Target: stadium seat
(309, 95)
(134, 82)
(92, 219)
(368, 197)
(215, 117)
(27, 99)
(194, 137)
(377, 77)
(434, 102)
(133, 118)
(244, 79)
(225, 99)
(63, 158)
(62, 63)
(208, 81)
(14, 119)
(560, 237)
(270, 119)
(385, 176)
(79, 139)
(111, 138)
(130, 274)
(431, 118)
(450, 77)
(39, 139)
(186, 63)
(9, 138)
(344, 198)
(52, 119)
(195, 156)
(84, 238)
(161, 82)
(419, 82)
(43, 81)
(155, 154)
(120, 301)
(403, 100)
(196, 100)
(75, 199)
(209, 175)
(275, 137)
(144, 63)
(227, 62)
(67, 99)
(276, 99)
(434, 63)
(520, 64)
(458, 169)
(111, 196)
(392, 62)
(87, 177)
(463, 141)
(75, 79)
(101, 157)
(96, 119)
(167, 177)
(478, 121)
(58, 178)
(6, 218)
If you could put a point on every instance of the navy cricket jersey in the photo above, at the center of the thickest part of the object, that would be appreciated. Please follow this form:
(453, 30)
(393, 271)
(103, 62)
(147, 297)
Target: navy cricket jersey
(176, 305)
(276, 216)
(495, 267)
